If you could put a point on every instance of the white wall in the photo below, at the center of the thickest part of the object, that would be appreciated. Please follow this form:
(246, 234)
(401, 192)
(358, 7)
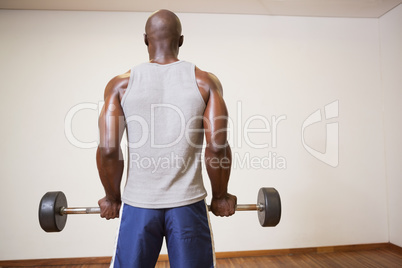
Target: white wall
(391, 61)
(269, 66)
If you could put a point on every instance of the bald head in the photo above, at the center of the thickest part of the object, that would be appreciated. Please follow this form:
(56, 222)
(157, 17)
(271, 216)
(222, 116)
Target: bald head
(163, 25)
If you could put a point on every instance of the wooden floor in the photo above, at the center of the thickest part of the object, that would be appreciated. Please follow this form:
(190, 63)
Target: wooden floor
(385, 257)
(369, 258)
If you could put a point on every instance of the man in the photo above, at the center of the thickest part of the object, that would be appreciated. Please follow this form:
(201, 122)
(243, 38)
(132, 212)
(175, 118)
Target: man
(166, 105)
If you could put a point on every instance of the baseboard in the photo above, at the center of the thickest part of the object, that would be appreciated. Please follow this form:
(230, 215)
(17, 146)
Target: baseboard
(395, 248)
(219, 255)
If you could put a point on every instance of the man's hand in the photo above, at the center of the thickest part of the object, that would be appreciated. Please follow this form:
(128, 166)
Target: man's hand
(225, 206)
(109, 209)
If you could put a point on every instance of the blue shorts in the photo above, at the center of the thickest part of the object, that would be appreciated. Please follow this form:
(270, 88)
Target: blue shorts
(187, 231)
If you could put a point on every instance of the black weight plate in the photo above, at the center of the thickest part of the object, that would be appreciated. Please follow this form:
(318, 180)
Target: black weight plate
(49, 211)
(271, 214)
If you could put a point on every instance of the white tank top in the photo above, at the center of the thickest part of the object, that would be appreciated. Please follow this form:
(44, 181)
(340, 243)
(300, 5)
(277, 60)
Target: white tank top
(163, 110)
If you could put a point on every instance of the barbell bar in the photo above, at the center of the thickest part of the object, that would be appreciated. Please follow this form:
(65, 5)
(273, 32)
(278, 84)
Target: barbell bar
(53, 209)
(96, 210)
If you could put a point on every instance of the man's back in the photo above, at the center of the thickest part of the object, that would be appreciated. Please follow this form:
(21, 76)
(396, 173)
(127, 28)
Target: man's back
(164, 111)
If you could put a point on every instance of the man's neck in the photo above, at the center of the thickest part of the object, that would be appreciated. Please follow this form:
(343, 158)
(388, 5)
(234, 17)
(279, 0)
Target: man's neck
(163, 59)
(162, 54)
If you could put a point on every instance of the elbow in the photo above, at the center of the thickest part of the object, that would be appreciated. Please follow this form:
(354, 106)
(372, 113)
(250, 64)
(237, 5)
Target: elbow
(108, 152)
(218, 150)
(218, 157)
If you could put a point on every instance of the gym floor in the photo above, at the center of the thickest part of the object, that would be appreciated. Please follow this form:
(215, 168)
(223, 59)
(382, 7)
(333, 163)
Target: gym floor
(383, 257)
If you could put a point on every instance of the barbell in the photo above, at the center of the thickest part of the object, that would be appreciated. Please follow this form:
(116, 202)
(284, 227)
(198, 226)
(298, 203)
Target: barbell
(53, 209)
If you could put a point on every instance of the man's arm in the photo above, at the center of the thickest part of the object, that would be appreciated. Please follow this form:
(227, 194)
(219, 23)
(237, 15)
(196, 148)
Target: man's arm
(218, 156)
(109, 157)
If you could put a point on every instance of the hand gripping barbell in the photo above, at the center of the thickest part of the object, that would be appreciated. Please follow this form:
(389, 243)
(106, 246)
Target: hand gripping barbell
(53, 209)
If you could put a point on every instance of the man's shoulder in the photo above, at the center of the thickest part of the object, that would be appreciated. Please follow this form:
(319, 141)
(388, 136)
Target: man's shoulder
(123, 76)
(207, 79)
(203, 75)
(118, 83)
(120, 79)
